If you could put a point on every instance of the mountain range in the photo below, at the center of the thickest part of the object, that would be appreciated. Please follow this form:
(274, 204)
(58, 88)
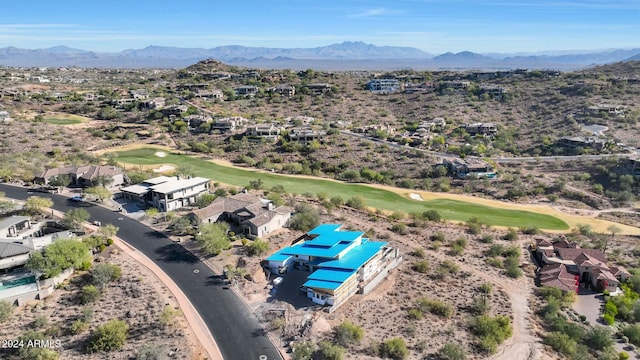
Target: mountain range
(349, 55)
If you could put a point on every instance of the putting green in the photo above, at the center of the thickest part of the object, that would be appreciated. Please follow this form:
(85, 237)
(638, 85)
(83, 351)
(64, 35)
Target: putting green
(375, 197)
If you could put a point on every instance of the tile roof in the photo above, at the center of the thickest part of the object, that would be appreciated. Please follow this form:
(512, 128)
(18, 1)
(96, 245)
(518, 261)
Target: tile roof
(573, 253)
(556, 275)
(8, 249)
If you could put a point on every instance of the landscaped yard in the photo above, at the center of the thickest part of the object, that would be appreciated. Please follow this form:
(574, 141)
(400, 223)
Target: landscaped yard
(376, 198)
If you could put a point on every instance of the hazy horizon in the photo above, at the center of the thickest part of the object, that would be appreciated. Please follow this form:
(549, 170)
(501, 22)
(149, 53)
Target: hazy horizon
(433, 26)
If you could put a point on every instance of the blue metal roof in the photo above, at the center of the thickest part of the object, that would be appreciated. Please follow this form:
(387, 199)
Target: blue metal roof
(324, 252)
(278, 257)
(324, 228)
(335, 275)
(356, 257)
(319, 284)
(335, 237)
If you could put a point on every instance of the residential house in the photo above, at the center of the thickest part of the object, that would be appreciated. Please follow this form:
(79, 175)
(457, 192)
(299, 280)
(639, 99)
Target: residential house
(176, 110)
(252, 215)
(574, 142)
(561, 260)
(299, 120)
(608, 108)
(284, 90)
(84, 176)
(13, 255)
(246, 90)
(456, 85)
(496, 92)
(340, 263)
(140, 94)
(167, 193)
(194, 121)
(319, 88)
(306, 135)
(263, 131)
(411, 88)
(210, 94)
(193, 87)
(481, 129)
(470, 167)
(384, 85)
(228, 124)
(155, 103)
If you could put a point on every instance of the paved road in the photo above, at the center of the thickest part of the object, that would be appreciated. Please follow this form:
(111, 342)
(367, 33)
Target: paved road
(236, 331)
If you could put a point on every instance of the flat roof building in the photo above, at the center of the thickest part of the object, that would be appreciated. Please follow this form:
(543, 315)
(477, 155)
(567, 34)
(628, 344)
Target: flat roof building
(341, 263)
(167, 193)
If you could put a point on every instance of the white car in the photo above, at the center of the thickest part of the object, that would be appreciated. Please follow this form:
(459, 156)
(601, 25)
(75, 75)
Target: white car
(76, 198)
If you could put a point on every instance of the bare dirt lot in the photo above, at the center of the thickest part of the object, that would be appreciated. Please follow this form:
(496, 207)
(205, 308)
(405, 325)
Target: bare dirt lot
(138, 298)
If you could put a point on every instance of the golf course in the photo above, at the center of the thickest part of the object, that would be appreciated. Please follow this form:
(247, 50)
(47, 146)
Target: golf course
(450, 206)
(64, 119)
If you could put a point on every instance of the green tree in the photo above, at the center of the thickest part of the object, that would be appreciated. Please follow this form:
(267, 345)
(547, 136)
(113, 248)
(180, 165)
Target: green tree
(100, 192)
(108, 231)
(205, 200)
(37, 203)
(60, 180)
(306, 218)
(329, 351)
(108, 337)
(356, 202)
(74, 218)
(491, 331)
(302, 350)
(213, 238)
(62, 254)
(599, 338)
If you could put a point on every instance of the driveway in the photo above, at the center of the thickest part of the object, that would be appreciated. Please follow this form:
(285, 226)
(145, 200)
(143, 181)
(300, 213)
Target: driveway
(235, 329)
(589, 304)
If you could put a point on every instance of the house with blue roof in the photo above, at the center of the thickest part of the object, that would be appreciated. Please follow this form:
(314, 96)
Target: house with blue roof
(340, 263)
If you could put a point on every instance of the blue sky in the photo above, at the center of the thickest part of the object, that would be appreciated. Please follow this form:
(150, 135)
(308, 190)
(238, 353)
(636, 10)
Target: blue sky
(435, 26)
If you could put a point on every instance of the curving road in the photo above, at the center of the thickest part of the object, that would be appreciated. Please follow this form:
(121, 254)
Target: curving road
(237, 332)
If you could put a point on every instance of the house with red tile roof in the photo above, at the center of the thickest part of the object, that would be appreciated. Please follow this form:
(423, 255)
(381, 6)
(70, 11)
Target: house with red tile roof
(563, 261)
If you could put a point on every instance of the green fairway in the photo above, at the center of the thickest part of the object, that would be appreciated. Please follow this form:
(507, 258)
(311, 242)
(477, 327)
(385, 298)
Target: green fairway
(376, 198)
(62, 120)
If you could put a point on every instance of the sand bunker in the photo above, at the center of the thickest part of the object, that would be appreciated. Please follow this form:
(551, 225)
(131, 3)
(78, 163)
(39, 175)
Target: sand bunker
(415, 196)
(160, 154)
(164, 168)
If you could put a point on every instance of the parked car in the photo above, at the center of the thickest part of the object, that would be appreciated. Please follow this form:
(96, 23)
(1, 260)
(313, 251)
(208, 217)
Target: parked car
(76, 198)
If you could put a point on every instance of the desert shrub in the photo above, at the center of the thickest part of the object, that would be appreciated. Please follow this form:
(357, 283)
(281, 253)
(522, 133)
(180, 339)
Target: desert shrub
(439, 236)
(168, 316)
(486, 288)
(491, 331)
(530, 230)
(452, 351)
(329, 351)
(35, 352)
(561, 343)
(257, 247)
(105, 273)
(302, 350)
(6, 310)
(474, 228)
(495, 250)
(421, 266)
(456, 250)
(356, 202)
(436, 307)
(153, 352)
(623, 355)
(418, 252)
(40, 321)
(486, 239)
(348, 333)
(108, 337)
(394, 349)
(633, 333)
(511, 235)
(89, 294)
(399, 228)
(415, 314)
(495, 262)
(598, 338)
(78, 327)
(432, 215)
